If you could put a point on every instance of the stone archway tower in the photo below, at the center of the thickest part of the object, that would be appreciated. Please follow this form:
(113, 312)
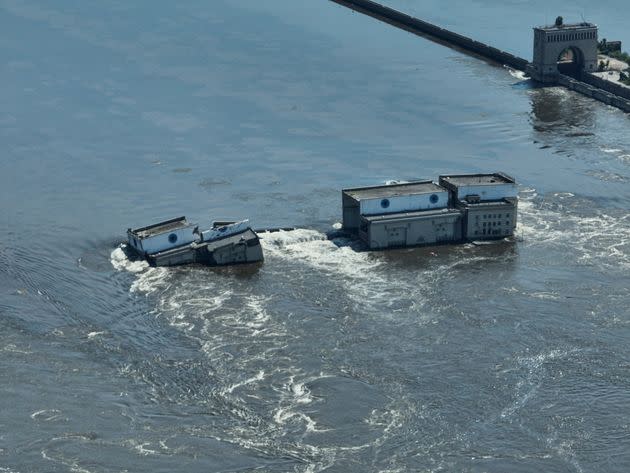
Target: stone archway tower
(551, 41)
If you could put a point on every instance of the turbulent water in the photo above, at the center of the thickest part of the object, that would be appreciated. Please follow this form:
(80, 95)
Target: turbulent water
(511, 356)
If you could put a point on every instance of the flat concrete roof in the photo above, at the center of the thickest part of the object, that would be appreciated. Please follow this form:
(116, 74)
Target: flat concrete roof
(161, 227)
(406, 188)
(477, 179)
(569, 26)
(405, 215)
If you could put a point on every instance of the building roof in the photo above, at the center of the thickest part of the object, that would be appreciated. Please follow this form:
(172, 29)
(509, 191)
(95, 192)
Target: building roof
(405, 215)
(161, 227)
(477, 179)
(568, 26)
(407, 188)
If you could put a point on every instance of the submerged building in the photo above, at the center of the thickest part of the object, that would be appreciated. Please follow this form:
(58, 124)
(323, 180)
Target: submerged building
(488, 203)
(175, 242)
(458, 208)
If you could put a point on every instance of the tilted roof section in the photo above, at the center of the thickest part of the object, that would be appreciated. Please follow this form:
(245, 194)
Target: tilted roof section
(161, 227)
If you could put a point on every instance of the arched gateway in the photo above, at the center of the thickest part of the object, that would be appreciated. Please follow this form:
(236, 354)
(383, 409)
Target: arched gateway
(563, 49)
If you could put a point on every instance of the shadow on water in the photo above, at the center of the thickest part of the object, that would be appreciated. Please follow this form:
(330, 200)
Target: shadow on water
(525, 84)
(554, 108)
(240, 271)
(500, 251)
(423, 256)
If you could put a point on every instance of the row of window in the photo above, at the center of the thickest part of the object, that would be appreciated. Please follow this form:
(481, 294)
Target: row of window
(494, 224)
(571, 36)
(492, 216)
(492, 232)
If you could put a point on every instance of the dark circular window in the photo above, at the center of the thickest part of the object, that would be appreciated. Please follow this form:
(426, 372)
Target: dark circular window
(172, 238)
(385, 203)
(434, 198)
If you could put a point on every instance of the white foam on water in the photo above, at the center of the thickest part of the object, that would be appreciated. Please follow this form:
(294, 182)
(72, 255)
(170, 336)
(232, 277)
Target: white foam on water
(612, 150)
(533, 374)
(151, 280)
(47, 415)
(254, 379)
(141, 448)
(520, 75)
(13, 348)
(598, 239)
(282, 416)
(148, 279)
(121, 262)
(93, 335)
(301, 394)
(564, 449)
(363, 276)
(552, 296)
(72, 464)
(257, 314)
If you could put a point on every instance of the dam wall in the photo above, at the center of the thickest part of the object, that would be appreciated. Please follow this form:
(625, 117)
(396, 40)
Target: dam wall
(596, 92)
(424, 28)
(606, 85)
(589, 85)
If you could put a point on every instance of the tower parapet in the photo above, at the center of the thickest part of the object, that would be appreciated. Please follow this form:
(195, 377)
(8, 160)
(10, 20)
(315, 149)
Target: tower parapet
(563, 49)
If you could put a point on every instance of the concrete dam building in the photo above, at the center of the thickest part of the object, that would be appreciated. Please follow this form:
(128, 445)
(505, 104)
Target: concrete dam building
(459, 208)
(569, 49)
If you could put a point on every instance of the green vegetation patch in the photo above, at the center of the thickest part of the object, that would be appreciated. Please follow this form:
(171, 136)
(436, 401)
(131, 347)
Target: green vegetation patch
(605, 48)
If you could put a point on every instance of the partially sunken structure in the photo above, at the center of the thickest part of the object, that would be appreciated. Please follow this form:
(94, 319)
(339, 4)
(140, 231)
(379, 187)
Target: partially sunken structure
(174, 242)
(459, 208)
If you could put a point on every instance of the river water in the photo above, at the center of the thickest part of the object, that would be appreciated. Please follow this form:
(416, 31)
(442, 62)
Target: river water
(505, 357)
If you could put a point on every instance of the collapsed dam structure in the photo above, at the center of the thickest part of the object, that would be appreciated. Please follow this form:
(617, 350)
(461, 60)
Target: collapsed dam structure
(580, 40)
(458, 208)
